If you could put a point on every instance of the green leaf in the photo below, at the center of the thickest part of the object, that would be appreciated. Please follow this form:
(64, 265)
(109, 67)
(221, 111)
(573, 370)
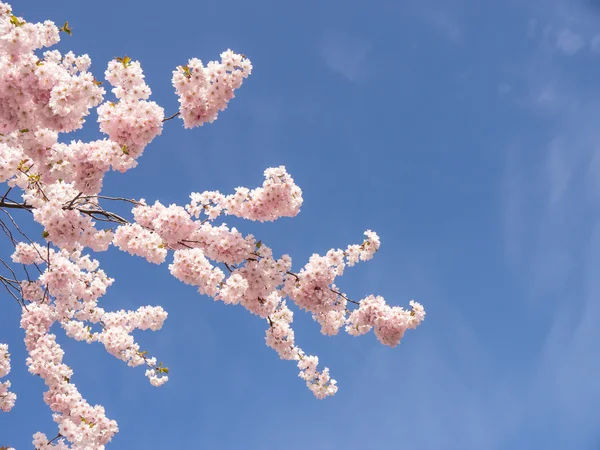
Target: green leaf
(65, 28)
(124, 150)
(24, 130)
(125, 60)
(259, 244)
(15, 21)
(186, 71)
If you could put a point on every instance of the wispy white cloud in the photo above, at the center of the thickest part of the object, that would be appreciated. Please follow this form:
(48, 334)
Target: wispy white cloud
(569, 42)
(504, 88)
(559, 169)
(345, 55)
(570, 26)
(532, 26)
(512, 194)
(552, 230)
(595, 44)
(447, 25)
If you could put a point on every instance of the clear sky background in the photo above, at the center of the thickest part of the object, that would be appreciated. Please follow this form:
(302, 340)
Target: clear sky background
(464, 132)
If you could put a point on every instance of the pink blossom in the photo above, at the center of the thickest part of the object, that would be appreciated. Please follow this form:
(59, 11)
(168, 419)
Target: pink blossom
(7, 398)
(204, 91)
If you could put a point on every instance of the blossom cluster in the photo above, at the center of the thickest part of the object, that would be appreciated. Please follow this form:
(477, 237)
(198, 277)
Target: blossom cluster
(7, 398)
(67, 292)
(278, 197)
(313, 288)
(280, 337)
(132, 122)
(390, 323)
(83, 425)
(204, 91)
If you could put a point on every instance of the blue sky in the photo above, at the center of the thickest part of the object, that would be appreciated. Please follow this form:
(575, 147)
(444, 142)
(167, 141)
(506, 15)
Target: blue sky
(463, 132)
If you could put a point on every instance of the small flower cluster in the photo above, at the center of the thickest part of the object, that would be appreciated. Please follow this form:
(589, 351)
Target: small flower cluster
(139, 241)
(390, 323)
(190, 266)
(222, 244)
(7, 398)
(280, 337)
(54, 92)
(173, 224)
(313, 288)
(132, 122)
(83, 425)
(204, 91)
(83, 164)
(67, 292)
(278, 197)
(22, 37)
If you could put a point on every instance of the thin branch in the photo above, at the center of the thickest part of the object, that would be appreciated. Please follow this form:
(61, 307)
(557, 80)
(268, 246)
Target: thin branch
(122, 199)
(5, 264)
(14, 242)
(73, 201)
(16, 225)
(344, 297)
(7, 192)
(112, 217)
(101, 212)
(54, 438)
(8, 286)
(171, 117)
(293, 274)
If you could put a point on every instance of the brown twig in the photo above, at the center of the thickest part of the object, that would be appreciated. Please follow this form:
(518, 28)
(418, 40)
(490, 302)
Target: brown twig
(171, 117)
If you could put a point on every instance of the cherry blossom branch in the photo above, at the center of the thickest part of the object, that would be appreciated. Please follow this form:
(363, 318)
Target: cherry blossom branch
(111, 217)
(90, 212)
(344, 297)
(105, 197)
(61, 185)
